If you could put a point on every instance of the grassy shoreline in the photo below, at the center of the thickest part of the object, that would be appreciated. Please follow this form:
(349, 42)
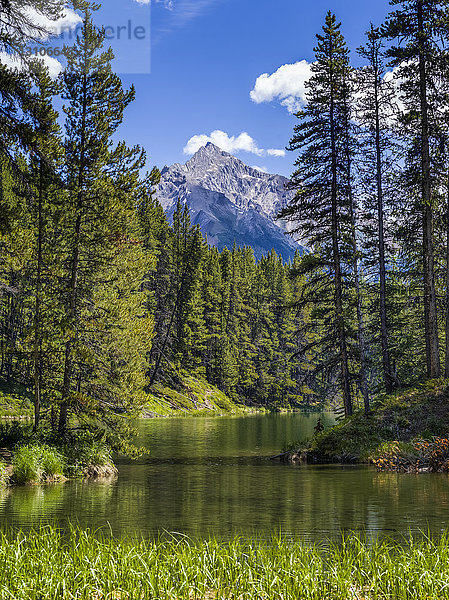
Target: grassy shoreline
(35, 457)
(397, 425)
(48, 563)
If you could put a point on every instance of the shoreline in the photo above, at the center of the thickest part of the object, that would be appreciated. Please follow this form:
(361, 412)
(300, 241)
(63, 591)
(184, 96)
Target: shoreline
(405, 432)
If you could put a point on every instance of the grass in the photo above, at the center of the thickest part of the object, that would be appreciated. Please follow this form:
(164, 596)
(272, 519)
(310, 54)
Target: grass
(44, 456)
(46, 563)
(37, 463)
(406, 416)
(194, 397)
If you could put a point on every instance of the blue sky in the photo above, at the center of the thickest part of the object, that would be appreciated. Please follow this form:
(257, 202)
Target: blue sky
(206, 56)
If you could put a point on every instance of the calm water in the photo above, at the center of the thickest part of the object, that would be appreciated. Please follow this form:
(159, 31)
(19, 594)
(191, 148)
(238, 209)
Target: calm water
(212, 476)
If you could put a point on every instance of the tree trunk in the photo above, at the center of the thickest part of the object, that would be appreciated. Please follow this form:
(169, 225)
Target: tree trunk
(356, 275)
(37, 313)
(339, 315)
(389, 378)
(68, 362)
(360, 322)
(430, 302)
(446, 365)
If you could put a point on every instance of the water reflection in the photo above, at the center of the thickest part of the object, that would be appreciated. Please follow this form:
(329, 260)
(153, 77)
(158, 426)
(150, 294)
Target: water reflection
(212, 476)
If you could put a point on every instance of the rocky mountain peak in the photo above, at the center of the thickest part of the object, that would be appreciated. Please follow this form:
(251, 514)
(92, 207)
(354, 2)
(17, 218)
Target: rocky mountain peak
(211, 158)
(230, 200)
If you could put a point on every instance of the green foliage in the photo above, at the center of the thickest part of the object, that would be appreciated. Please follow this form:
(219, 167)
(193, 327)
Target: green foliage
(83, 451)
(93, 565)
(37, 463)
(43, 454)
(394, 423)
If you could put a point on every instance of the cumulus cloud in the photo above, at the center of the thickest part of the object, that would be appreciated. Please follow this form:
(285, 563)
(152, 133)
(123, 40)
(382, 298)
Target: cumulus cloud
(68, 21)
(286, 85)
(232, 144)
(276, 152)
(44, 30)
(14, 62)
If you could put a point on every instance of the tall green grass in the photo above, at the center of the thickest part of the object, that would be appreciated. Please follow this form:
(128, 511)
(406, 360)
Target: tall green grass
(83, 565)
(37, 463)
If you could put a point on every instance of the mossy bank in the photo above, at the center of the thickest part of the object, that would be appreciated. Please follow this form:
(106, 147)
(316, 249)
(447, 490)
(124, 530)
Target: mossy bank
(406, 417)
(191, 397)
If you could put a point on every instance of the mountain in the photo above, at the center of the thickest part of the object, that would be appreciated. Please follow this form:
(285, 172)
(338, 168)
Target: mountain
(230, 201)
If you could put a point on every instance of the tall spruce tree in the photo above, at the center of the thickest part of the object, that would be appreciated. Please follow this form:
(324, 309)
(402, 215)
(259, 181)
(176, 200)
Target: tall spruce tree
(104, 367)
(377, 115)
(421, 26)
(321, 206)
(47, 191)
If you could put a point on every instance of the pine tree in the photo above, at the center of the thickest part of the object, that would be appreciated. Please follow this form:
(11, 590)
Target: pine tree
(47, 187)
(321, 208)
(421, 27)
(377, 113)
(18, 100)
(107, 332)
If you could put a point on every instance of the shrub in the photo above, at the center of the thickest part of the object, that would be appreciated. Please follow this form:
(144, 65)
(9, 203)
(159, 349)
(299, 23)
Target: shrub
(431, 455)
(15, 432)
(26, 465)
(35, 463)
(52, 462)
(97, 454)
(395, 456)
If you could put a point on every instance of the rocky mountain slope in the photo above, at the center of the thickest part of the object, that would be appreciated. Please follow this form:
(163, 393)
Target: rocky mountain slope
(229, 200)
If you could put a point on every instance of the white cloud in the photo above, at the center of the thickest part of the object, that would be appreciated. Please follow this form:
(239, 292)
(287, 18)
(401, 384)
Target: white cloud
(48, 28)
(287, 85)
(276, 152)
(15, 63)
(44, 30)
(168, 4)
(232, 144)
(261, 169)
(178, 14)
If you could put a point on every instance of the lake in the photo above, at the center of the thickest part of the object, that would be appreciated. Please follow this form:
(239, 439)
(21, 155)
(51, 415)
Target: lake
(213, 476)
